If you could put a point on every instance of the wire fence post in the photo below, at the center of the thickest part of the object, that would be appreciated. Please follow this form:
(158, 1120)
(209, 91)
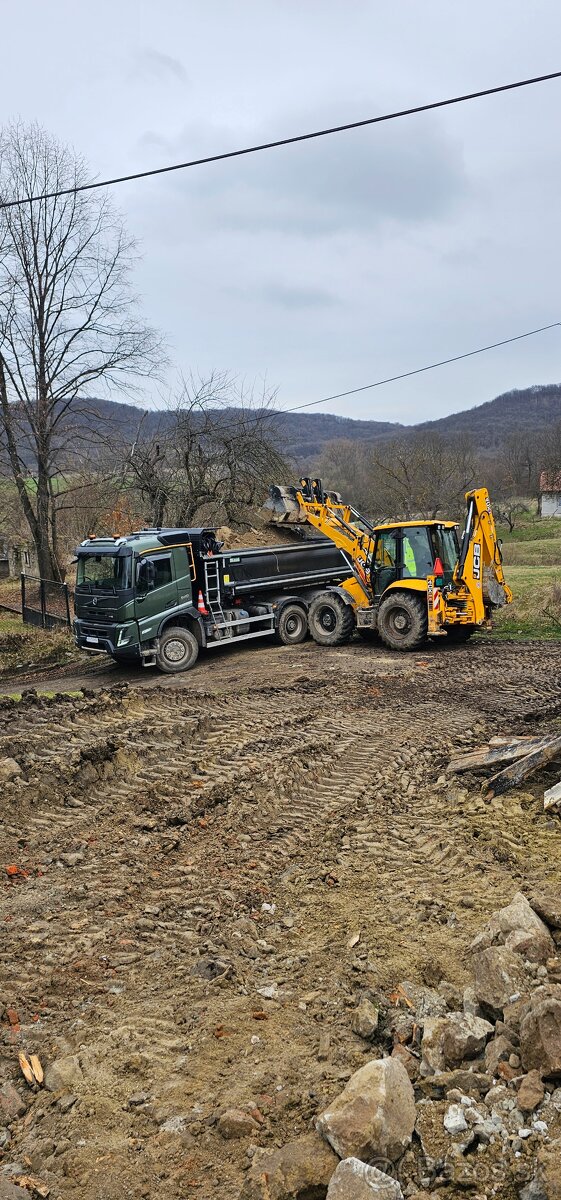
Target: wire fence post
(43, 601)
(22, 581)
(67, 600)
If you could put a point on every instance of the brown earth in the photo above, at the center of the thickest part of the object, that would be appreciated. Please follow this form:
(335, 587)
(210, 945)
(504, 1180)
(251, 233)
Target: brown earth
(277, 820)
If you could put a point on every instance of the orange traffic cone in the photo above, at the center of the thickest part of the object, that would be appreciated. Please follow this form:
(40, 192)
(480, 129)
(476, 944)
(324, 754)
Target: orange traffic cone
(201, 605)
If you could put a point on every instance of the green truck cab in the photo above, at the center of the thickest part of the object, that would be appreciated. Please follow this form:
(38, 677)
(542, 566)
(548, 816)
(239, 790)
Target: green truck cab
(159, 596)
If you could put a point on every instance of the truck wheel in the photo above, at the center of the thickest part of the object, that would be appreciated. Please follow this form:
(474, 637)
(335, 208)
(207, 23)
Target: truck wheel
(292, 626)
(331, 621)
(402, 620)
(460, 633)
(178, 650)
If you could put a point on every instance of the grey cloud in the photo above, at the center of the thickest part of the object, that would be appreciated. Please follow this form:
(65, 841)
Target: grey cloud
(295, 297)
(151, 64)
(352, 181)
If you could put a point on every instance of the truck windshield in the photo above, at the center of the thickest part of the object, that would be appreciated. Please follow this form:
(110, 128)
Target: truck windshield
(103, 572)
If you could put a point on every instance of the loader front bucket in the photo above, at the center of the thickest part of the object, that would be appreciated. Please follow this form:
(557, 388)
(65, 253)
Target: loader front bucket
(283, 505)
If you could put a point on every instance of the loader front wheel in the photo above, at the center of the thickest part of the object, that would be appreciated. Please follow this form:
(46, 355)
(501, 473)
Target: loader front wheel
(292, 627)
(178, 650)
(402, 620)
(331, 621)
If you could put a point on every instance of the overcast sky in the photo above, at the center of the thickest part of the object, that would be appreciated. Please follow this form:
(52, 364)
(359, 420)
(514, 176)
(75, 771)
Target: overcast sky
(328, 265)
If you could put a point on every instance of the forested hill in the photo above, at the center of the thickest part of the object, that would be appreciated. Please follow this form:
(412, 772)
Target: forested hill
(529, 410)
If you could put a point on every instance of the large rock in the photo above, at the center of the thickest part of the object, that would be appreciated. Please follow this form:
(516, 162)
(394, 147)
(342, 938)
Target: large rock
(10, 1191)
(9, 769)
(64, 1074)
(499, 976)
(301, 1170)
(374, 1115)
(518, 928)
(447, 1041)
(548, 907)
(11, 1103)
(364, 1021)
(235, 1123)
(531, 1092)
(355, 1180)
(540, 1037)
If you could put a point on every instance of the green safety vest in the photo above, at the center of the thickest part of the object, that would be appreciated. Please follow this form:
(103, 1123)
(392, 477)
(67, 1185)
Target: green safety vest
(409, 557)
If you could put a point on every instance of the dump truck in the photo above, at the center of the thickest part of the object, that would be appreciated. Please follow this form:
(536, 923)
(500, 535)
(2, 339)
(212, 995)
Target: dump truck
(159, 596)
(408, 580)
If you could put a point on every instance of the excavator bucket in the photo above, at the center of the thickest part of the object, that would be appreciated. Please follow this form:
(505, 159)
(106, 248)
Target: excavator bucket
(283, 505)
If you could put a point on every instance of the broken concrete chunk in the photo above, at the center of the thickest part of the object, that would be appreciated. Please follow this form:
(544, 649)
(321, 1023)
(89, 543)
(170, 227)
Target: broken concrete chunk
(540, 1037)
(374, 1115)
(11, 1103)
(497, 1050)
(548, 906)
(296, 1171)
(355, 1180)
(455, 1119)
(447, 1041)
(500, 977)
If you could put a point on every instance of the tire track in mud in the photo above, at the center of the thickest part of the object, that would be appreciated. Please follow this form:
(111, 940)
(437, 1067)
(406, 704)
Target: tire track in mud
(163, 819)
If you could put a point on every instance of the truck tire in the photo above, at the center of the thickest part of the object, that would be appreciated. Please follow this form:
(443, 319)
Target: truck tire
(292, 626)
(403, 621)
(178, 650)
(331, 621)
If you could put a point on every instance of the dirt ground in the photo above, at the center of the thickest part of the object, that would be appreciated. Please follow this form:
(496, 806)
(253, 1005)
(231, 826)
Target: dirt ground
(213, 867)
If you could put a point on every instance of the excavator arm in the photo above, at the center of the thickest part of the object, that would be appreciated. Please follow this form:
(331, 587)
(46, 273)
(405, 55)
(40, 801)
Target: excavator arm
(341, 523)
(480, 566)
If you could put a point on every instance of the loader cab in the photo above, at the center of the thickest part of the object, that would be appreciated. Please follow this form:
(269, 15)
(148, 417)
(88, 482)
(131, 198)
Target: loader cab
(409, 551)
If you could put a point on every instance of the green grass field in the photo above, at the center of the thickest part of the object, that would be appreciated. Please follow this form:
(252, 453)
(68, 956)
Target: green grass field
(24, 646)
(532, 565)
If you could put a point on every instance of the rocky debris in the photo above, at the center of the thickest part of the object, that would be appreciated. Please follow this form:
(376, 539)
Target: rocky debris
(437, 1086)
(63, 1074)
(10, 1191)
(448, 1041)
(297, 1171)
(11, 1103)
(409, 1061)
(500, 977)
(426, 1001)
(546, 1184)
(455, 1119)
(540, 1036)
(374, 1115)
(355, 1180)
(235, 1123)
(9, 769)
(548, 906)
(518, 928)
(531, 1092)
(498, 1050)
(364, 1021)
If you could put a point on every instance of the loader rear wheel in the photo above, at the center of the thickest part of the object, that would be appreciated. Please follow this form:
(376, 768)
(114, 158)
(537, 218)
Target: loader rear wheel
(178, 650)
(331, 620)
(292, 626)
(402, 620)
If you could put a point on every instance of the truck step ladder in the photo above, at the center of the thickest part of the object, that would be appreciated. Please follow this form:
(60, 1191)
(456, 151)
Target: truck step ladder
(212, 590)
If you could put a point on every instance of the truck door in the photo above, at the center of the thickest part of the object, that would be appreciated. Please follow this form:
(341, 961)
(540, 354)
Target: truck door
(156, 590)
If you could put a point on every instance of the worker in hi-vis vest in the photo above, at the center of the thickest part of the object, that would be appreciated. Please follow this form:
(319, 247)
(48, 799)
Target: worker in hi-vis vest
(409, 564)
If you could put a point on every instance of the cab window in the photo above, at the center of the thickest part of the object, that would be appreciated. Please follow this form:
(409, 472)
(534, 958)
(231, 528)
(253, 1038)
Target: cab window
(417, 552)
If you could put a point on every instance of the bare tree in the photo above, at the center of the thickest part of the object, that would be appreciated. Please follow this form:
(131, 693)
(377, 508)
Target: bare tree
(67, 318)
(216, 460)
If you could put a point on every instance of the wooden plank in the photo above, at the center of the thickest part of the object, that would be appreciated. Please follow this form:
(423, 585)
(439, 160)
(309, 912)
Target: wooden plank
(478, 760)
(519, 770)
(552, 798)
(511, 741)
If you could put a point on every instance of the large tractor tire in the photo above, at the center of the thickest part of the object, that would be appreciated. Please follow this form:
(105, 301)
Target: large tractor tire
(331, 621)
(178, 650)
(402, 620)
(460, 633)
(292, 625)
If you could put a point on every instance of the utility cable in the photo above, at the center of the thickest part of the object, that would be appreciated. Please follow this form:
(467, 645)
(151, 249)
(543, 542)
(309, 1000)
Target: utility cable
(419, 370)
(289, 141)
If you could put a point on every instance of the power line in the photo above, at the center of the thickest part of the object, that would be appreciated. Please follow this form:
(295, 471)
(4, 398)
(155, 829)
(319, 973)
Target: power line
(289, 141)
(419, 370)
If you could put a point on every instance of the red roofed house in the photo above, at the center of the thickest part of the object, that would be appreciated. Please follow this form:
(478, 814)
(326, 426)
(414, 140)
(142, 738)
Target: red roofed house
(550, 494)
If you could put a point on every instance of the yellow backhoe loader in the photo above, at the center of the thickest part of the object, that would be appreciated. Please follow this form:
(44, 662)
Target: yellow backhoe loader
(408, 580)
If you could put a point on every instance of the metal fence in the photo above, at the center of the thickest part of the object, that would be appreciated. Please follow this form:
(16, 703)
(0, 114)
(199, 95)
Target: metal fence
(44, 602)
